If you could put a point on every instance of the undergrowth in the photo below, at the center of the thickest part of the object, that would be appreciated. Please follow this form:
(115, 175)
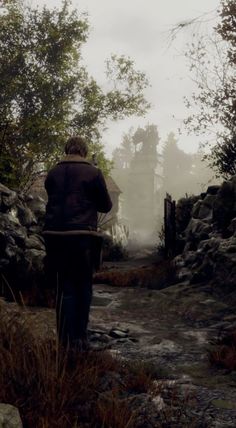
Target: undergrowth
(223, 353)
(152, 277)
(57, 388)
(53, 387)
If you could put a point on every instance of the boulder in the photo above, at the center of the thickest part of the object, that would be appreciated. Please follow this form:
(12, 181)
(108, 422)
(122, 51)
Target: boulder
(9, 416)
(35, 260)
(224, 207)
(35, 242)
(213, 189)
(196, 208)
(225, 264)
(7, 198)
(205, 212)
(202, 209)
(37, 205)
(209, 200)
(25, 215)
(197, 230)
(184, 211)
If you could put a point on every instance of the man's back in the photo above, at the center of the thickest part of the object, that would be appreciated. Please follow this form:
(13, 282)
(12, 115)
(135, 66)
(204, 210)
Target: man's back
(76, 192)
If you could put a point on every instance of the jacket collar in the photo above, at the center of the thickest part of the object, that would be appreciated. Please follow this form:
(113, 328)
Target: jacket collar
(74, 158)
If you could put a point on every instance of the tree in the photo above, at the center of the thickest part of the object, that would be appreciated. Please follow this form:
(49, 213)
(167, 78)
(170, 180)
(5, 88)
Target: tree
(123, 155)
(46, 93)
(135, 146)
(176, 166)
(216, 94)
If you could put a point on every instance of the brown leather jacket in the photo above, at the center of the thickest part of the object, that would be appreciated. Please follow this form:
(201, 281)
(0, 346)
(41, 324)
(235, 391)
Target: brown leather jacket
(76, 192)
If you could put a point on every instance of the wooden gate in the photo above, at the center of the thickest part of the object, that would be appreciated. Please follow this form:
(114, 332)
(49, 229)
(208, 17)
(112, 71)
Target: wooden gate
(169, 226)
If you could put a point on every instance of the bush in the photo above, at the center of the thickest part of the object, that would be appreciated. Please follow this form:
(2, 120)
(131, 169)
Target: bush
(113, 251)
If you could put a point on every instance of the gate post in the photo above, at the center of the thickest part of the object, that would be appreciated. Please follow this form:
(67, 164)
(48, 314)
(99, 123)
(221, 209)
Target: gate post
(169, 226)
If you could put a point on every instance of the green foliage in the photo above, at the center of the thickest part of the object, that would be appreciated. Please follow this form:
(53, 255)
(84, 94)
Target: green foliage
(216, 95)
(46, 93)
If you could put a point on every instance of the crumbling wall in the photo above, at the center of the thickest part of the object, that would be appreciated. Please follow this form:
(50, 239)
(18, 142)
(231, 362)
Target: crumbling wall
(209, 238)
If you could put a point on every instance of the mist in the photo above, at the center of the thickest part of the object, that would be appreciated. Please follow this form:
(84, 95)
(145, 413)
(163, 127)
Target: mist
(145, 170)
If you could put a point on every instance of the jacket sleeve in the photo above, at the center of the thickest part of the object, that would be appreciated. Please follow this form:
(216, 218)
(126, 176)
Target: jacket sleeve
(102, 197)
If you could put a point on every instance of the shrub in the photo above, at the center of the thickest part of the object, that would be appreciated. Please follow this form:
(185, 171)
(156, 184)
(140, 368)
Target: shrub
(223, 354)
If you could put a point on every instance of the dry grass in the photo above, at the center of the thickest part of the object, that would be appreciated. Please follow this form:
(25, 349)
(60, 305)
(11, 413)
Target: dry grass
(152, 277)
(55, 388)
(223, 355)
(155, 276)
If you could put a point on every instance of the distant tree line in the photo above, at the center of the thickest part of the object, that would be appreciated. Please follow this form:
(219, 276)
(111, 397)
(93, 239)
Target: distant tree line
(178, 172)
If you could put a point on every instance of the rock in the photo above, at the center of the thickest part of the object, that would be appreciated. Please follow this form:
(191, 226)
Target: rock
(118, 334)
(202, 209)
(35, 260)
(8, 198)
(213, 189)
(196, 208)
(36, 242)
(209, 200)
(232, 226)
(224, 205)
(25, 215)
(210, 248)
(22, 249)
(9, 416)
(207, 245)
(183, 212)
(205, 212)
(19, 236)
(38, 207)
(197, 230)
(190, 257)
(204, 272)
(184, 274)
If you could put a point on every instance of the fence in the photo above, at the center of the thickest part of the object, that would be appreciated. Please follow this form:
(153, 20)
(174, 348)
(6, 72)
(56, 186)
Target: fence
(169, 226)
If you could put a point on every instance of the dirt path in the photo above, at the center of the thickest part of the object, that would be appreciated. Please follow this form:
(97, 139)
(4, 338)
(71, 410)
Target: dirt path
(170, 329)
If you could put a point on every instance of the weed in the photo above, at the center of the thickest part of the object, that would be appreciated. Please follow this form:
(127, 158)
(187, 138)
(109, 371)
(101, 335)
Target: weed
(223, 354)
(153, 277)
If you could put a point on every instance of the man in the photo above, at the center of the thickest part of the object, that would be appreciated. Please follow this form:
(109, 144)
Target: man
(76, 192)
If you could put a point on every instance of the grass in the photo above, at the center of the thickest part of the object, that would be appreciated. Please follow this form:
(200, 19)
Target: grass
(57, 388)
(153, 277)
(223, 354)
(53, 387)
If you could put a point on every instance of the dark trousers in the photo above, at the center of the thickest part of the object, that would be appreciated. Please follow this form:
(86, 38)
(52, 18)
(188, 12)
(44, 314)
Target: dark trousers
(70, 267)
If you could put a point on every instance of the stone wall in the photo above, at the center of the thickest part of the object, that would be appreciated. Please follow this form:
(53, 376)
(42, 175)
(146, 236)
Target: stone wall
(22, 249)
(209, 238)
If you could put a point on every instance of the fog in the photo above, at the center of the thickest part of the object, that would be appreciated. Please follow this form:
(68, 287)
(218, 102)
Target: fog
(145, 172)
(142, 31)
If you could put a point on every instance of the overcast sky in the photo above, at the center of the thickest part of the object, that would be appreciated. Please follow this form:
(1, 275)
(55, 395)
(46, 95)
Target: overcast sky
(140, 29)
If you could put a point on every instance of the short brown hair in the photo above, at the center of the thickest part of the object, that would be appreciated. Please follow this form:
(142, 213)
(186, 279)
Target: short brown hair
(76, 146)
